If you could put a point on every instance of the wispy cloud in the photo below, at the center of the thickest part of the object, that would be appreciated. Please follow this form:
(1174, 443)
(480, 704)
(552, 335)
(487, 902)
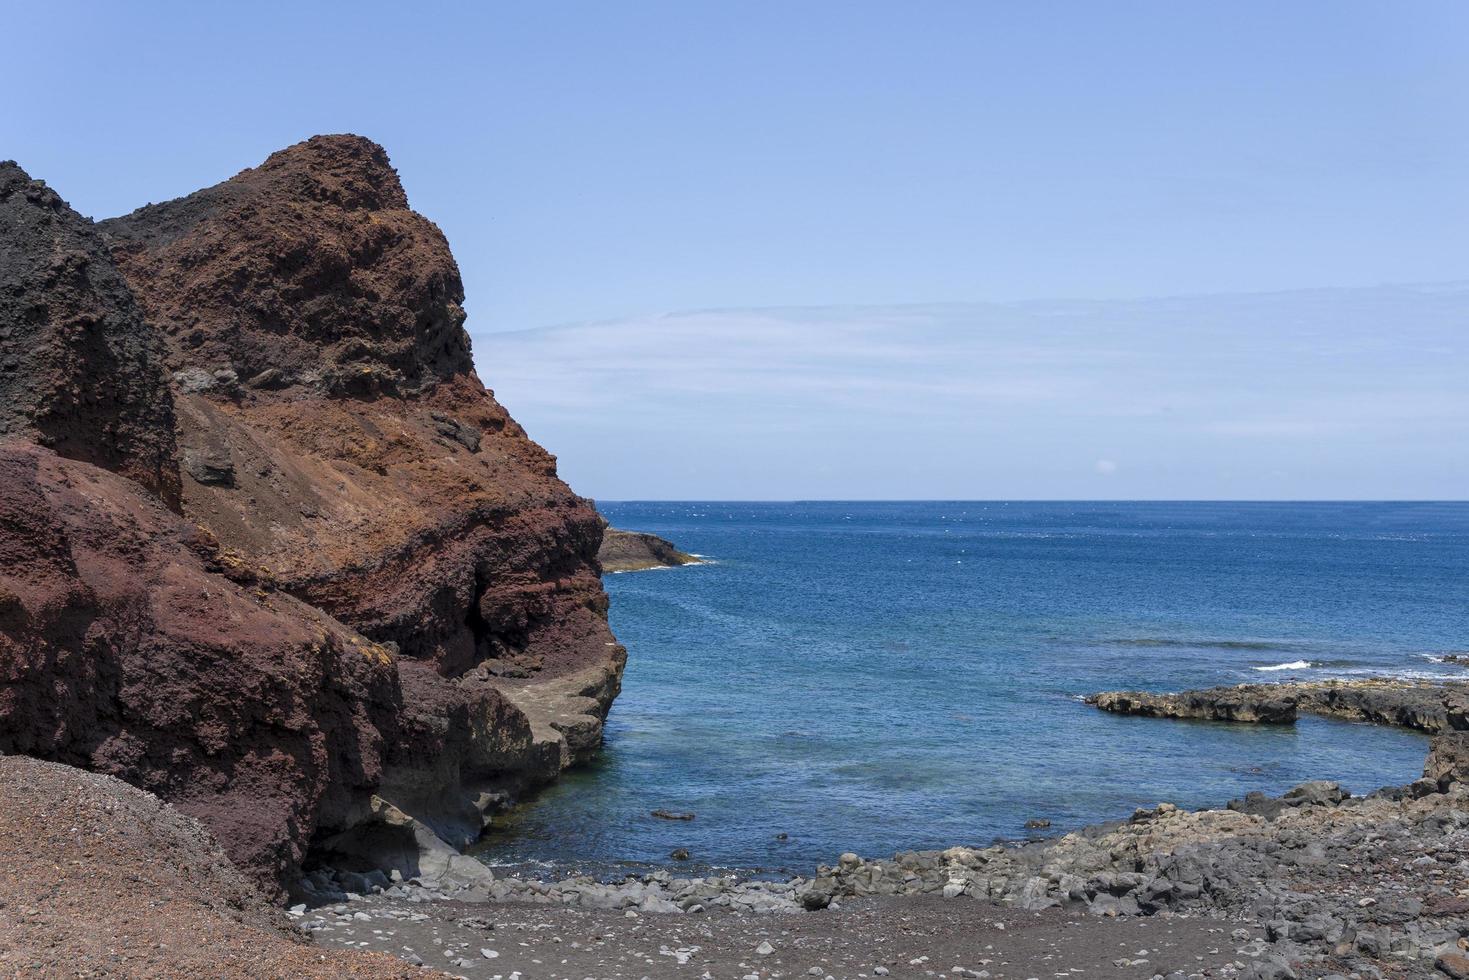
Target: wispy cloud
(1203, 396)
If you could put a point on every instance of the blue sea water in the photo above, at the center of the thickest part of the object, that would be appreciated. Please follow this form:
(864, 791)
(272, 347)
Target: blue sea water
(882, 676)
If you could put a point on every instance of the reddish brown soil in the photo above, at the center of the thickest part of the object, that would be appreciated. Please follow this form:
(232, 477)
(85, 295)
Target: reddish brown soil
(99, 879)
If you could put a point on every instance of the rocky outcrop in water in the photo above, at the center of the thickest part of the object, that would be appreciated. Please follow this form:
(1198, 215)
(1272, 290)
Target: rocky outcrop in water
(1425, 706)
(1214, 704)
(633, 551)
(346, 604)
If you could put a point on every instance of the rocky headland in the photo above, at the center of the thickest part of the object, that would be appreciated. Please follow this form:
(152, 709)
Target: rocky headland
(271, 550)
(635, 551)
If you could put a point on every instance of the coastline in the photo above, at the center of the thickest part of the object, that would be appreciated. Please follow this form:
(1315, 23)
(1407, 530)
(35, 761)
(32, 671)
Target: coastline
(1313, 883)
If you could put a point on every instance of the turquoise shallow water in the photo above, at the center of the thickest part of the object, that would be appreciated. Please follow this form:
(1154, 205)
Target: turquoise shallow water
(882, 676)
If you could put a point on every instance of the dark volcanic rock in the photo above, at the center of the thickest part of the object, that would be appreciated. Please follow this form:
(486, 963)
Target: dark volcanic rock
(631, 551)
(1424, 706)
(1214, 704)
(1342, 885)
(80, 371)
(1448, 760)
(310, 266)
(1420, 705)
(1318, 792)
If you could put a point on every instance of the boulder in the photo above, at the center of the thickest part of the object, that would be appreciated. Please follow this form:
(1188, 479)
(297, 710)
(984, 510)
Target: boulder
(1318, 792)
(1448, 760)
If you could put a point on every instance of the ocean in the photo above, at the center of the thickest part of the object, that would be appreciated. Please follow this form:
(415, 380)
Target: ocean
(875, 677)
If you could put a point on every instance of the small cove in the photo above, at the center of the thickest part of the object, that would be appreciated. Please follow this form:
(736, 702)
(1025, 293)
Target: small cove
(883, 676)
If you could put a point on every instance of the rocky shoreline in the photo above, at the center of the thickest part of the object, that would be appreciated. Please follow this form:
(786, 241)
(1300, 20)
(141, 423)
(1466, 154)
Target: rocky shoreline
(1315, 883)
(290, 605)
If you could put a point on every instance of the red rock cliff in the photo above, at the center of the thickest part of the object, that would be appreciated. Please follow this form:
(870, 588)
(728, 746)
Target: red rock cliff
(374, 596)
(331, 423)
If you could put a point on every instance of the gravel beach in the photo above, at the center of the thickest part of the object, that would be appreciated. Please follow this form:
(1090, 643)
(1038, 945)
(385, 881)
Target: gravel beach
(922, 936)
(1316, 883)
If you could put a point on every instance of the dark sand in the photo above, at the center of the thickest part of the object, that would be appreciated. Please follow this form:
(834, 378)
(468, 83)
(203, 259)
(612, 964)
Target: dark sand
(922, 936)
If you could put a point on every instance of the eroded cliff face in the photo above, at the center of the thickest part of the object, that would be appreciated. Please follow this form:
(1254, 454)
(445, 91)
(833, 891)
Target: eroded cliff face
(345, 583)
(80, 371)
(133, 647)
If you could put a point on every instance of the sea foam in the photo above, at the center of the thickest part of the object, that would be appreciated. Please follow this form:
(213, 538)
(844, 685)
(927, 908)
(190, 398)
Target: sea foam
(1293, 665)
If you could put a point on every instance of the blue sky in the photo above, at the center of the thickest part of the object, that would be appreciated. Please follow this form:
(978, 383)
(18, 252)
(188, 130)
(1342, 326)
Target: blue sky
(621, 161)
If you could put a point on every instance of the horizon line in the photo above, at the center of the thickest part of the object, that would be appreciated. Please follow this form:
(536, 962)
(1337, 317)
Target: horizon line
(1029, 500)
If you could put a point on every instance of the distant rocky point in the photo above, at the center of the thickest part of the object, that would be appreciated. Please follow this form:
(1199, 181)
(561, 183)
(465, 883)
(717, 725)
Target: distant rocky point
(634, 551)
